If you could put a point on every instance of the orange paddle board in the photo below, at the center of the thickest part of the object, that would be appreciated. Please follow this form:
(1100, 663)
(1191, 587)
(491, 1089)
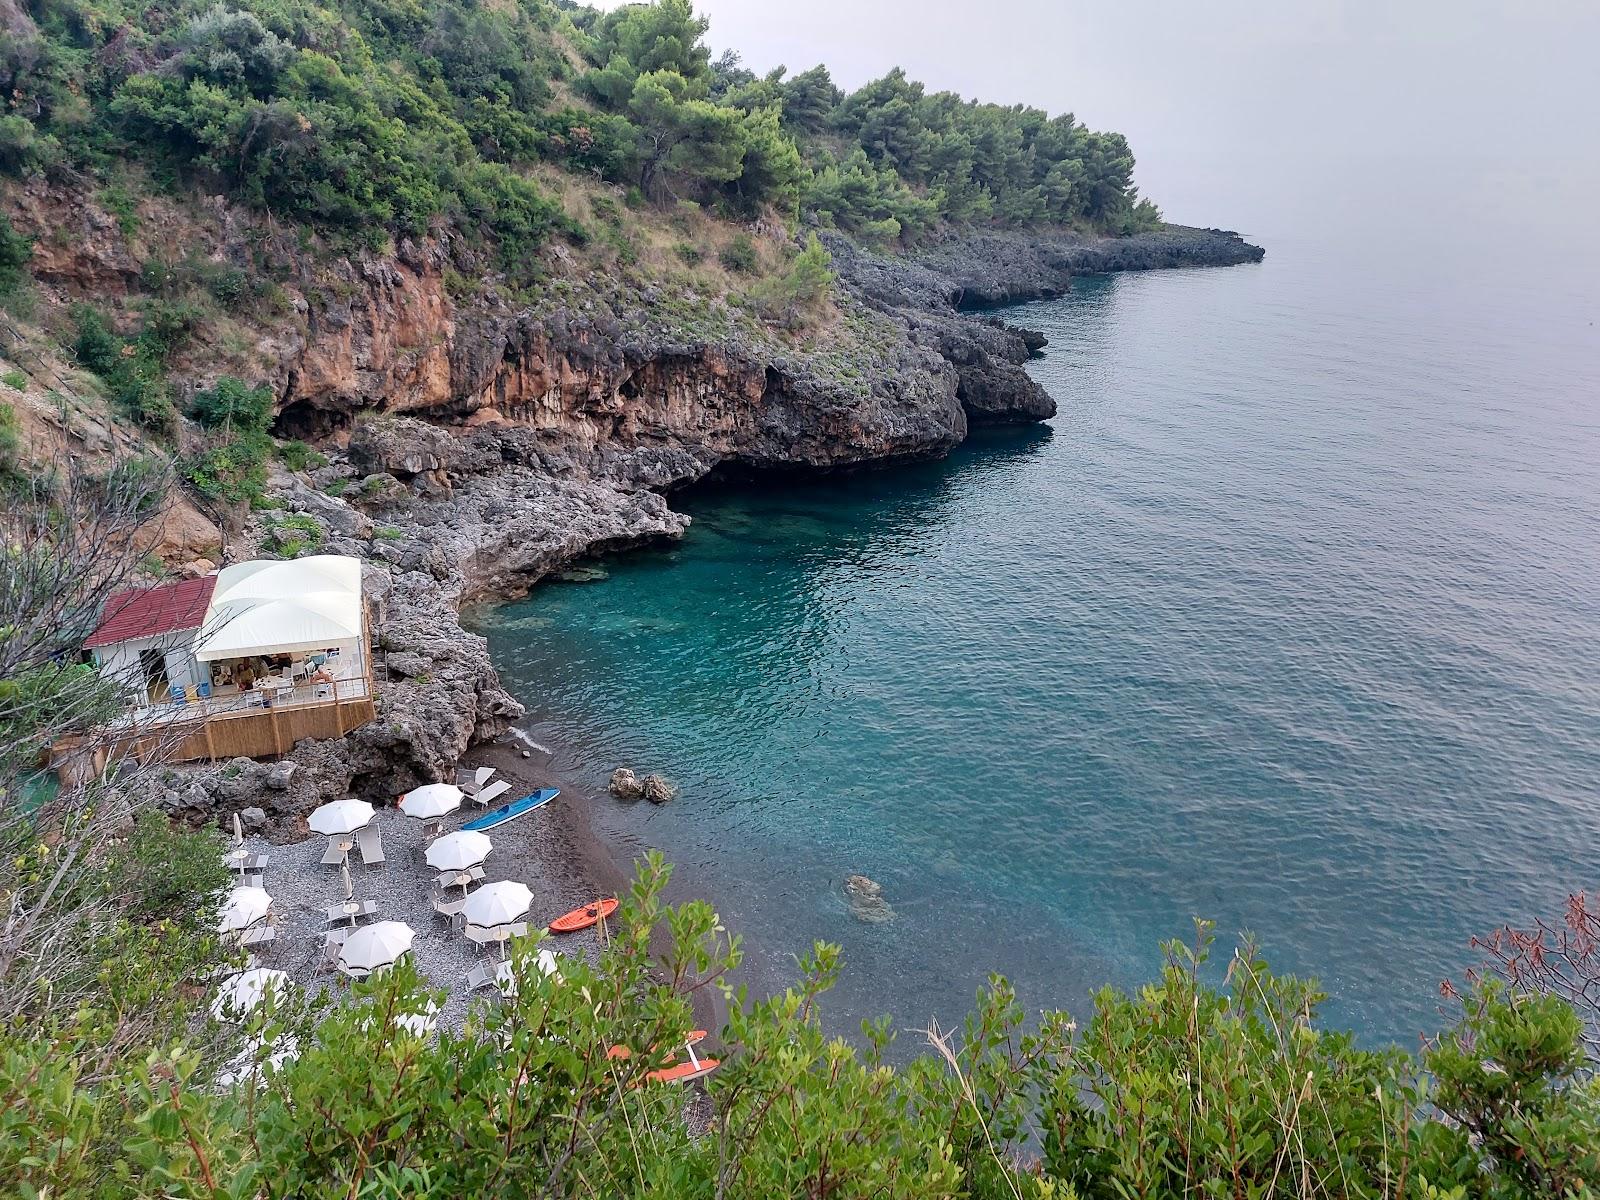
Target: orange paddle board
(582, 918)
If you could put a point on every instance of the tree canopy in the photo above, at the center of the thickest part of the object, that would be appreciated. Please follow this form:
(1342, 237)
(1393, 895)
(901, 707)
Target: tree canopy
(378, 118)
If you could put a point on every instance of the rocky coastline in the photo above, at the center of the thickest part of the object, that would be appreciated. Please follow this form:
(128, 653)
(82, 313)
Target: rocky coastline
(474, 444)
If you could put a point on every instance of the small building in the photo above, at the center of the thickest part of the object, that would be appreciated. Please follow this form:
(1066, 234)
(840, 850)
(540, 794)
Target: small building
(246, 661)
(145, 639)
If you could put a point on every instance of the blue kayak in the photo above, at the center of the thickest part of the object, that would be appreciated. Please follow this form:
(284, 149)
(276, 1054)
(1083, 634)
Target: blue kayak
(510, 812)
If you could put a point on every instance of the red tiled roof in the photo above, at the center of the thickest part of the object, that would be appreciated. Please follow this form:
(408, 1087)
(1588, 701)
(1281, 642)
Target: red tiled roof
(152, 611)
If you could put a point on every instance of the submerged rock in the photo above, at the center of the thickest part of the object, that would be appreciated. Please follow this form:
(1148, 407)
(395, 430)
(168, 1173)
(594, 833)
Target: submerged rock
(866, 900)
(585, 574)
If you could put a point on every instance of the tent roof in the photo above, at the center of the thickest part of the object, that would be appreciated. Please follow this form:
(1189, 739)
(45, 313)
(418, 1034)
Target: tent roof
(268, 607)
(153, 611)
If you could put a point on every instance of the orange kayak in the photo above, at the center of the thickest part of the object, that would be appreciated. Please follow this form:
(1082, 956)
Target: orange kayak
(582, 918)
(683, 1072)
(695, 1068)
(621, 1052)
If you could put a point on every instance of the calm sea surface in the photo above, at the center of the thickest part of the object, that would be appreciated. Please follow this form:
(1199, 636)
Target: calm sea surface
(1290, 620)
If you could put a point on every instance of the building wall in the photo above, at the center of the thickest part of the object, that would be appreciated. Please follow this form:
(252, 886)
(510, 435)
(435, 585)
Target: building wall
(120, 661)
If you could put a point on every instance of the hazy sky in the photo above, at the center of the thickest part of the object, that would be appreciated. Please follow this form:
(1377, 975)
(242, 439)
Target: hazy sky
(1222, 96)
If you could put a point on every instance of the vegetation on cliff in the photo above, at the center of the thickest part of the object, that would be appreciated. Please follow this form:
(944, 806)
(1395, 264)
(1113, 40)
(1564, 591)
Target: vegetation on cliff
(378, 118)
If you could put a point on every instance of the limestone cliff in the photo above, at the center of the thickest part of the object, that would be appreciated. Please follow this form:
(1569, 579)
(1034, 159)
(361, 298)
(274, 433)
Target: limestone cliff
(479, 438)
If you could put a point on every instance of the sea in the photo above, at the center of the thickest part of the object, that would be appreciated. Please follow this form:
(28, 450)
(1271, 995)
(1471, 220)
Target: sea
(1289, 621)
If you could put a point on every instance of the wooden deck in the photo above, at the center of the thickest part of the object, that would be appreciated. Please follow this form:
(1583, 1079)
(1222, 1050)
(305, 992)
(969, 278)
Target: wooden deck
(198, 734)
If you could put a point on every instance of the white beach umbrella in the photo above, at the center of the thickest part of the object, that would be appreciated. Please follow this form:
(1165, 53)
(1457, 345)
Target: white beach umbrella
(376, 946)
(238, 831)
(349, 888)
(243, 908)
(505, 976)
(431, 800)
(257, 1054)
(498, 903)
(419, 1023)
(459, 850)
(239, 995)
(342, 816)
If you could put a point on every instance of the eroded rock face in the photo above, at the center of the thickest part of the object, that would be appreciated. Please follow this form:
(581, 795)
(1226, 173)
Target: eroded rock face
(478, 447)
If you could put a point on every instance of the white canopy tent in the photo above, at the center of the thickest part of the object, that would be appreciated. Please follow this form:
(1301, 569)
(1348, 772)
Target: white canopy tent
(273, 607)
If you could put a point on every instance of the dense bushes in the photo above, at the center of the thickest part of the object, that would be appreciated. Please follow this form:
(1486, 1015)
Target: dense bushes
(1178, 1089)
(374, 117)
(362, 117)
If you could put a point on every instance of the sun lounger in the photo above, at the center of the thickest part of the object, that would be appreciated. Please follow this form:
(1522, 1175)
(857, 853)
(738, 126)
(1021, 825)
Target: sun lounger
(371, 843)
(257, 935)
(338, 850)
(250, 880)
(338, 912)
(479, 977)
(449, 908)
(332, 943)
(480, 777)
(248, 863)
(492, 793)
(455, 879)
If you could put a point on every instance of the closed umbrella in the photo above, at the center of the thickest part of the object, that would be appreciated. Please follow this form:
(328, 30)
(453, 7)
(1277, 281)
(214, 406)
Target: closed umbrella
(342, 816)
(238, 831)
(431, 800)
(349, 888)
(459, 850)
(243, 908)
(240, 995)
(498, 903)
(375, 946)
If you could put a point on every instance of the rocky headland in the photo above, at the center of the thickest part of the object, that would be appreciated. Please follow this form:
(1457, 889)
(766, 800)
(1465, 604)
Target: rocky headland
(475, 442)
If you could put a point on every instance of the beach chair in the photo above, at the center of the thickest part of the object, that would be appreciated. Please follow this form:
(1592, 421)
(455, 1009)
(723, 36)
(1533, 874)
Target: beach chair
(480, 777)
(371, 843)
(480, 977)
(332, 943)
(250, 880)
(258, 935)
(338, 850)
(492, 793)
(448, 908)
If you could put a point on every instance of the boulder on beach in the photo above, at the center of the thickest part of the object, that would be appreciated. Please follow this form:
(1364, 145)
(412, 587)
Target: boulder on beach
(656, 789)
(625, 785)
(866, 900)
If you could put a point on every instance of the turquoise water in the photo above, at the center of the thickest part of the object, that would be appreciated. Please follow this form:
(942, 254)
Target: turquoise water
(1291, 620)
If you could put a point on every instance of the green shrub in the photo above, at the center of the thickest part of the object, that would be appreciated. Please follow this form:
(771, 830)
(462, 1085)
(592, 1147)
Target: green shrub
(298, 456)
(740, 255)
(292, 535)
(234, 471)
(10, 438)
(336, 487)
(15, 380)
(15, 251)
(96, 348)
(122, 205)
(688, 253)
(786, 298)
(232, 402)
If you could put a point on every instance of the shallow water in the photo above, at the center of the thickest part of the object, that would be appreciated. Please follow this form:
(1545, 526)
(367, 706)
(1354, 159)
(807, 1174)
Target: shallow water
(1291, 620)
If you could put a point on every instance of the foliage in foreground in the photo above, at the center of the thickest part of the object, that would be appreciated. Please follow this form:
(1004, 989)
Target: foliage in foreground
(1179, 1089)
